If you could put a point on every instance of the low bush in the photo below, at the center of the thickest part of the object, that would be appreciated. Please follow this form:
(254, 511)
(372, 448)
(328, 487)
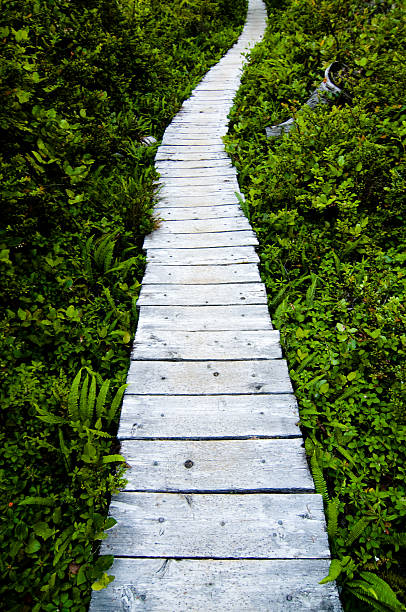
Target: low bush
(327, 202)
(81, 85)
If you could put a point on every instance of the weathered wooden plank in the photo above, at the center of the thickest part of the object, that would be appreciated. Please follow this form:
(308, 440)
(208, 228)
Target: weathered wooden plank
(205, 318)
(179, 213)
(192, 141)
(201, 274)
(208, 416)
(175, 525)
(207, 182)
(190, 200)
(197, 295)
(209, 585)
(184, 173)
(217, 466)
(189, 164)
(213, 239)
(179, 153)
(208, 377)
(200, 150)
(190, 257)
(209, 192)
(202, 226)
(229, 345)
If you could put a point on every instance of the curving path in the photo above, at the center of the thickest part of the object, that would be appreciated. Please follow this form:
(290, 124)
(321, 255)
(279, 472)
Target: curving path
(219, 512)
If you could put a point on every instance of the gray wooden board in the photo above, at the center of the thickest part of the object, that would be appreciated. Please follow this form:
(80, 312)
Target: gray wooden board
(199, 226)
(188, 257)
(190, 164)
(213, 187)
(201, 274)
(197, 295)
(208, 377)
(209, 182)
(198, 241)
(265, 525)
(191, 141)
(183, 149)
(208, 585)
(179, 213)
(208, 416)
(177, 345)
(179, 154)
(205, 318)
(191, 201)
(217, 465)
(184, 173)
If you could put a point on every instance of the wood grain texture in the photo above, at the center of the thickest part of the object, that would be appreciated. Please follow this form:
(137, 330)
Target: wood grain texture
(191, 201)
(184, 173)
(274, 526)
(192, 257)
(201, 274)
(217, 466)
(202, 226)
(197, 295)
(227, 345)
(208, 416)
(198, 212)
(204, 318)
(202, 240)
(207, 585)
(208, 377)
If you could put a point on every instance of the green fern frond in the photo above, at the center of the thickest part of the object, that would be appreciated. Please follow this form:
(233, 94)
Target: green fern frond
(110, 299)
(332, 517)
(337, 262)
(115, 404)
(83, 408)
(358, 529)
(91, 400)
(309, 447)
(375, 591)
(311, 292)
(101, 399)
(305, 363)
(346, 454)
(319, 482)
(347, 393)
(334, 571)
(73, 397)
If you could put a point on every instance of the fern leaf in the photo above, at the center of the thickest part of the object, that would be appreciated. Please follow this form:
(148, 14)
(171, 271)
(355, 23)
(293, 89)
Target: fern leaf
(334, 571)
(310, 293)
(83, 401)
(91, 400)
(115, 404)
(108, 254)
(337, 262)
(73, 397)
(382, 591)
(48, 417)
(332, 517)
(346, 454)
(319, 482)
(358, 529)
(305, 363)
(101, 399)
(64, 449)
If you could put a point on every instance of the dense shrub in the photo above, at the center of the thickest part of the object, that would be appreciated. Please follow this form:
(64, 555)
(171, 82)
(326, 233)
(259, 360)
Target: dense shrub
(327, 202)
(81, 84)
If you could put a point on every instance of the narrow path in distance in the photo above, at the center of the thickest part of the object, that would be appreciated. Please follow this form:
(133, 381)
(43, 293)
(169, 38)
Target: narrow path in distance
(220, 511)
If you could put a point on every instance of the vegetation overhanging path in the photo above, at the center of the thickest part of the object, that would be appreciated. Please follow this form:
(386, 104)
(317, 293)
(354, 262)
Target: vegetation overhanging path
(219, 511)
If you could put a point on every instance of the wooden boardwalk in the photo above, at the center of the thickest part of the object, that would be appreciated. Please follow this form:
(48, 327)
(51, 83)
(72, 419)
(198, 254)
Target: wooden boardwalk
(219, 512)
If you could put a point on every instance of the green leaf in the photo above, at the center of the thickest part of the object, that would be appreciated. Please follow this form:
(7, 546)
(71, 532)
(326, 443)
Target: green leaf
(38, 501)
(352, 376)
(33, 545)
(113, 459)
(20, 35)
(334, 571)
(42, 530)
(103, 582)
(73, 398)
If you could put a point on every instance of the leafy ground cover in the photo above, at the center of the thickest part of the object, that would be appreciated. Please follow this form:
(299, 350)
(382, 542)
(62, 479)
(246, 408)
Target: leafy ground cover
(82, 84)
(327, 201)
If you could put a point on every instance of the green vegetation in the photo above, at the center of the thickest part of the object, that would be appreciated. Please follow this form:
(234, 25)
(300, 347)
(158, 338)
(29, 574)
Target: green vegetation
(326, 201)
(81, 84)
